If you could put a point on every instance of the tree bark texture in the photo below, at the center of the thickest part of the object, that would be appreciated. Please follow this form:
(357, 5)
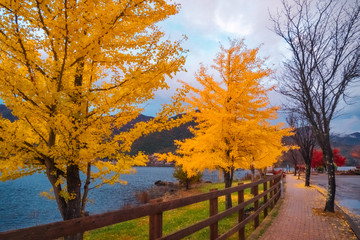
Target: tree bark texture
(330, 198)
(307, 174)
(73, 209)
(228, 179)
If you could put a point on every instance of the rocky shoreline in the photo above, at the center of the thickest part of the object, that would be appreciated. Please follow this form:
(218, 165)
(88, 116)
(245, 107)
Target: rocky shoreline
(159, 190)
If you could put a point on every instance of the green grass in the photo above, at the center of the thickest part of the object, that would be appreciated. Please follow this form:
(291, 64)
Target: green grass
(272, 217)
(175, 220)
(267, 223)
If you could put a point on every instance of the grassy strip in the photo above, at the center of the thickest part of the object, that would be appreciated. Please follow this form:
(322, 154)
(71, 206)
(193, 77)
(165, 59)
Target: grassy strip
(268, 224)
(177, 219)
(261, 230)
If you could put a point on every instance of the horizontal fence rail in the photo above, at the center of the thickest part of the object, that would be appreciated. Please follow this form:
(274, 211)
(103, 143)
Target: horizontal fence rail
(155, 211)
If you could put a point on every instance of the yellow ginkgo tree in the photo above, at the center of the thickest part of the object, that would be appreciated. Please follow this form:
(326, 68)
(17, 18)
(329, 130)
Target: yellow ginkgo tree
(72, 72)
(232, 112)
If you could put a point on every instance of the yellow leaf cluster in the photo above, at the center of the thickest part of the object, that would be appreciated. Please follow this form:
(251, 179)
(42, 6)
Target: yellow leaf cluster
(72, 72)
(232, 112)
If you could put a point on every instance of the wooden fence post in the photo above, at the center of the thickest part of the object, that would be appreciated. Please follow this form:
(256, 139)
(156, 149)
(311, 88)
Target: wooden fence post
(241, 213)
(282, 185)
(256, 206)
(155, 223)
(278, 189)
(213, 211)
(265, 184)
(272, 193)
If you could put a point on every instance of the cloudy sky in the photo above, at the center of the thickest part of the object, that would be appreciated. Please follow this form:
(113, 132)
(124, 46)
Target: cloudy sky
(207, 23)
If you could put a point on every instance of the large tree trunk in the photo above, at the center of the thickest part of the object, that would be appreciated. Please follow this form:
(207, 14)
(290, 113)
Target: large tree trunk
(330, 199)
(307, 174)
(73, 209)
(228, 178)
(70, 208)
(187, 184)
(324, 141)
(86, 190)
(252, 173)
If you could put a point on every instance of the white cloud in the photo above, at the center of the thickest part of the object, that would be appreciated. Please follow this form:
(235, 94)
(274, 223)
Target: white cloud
(347, 125)
(206, 23)
(232, 24)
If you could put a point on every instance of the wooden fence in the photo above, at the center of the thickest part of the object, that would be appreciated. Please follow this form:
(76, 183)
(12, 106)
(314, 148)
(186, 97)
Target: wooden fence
(155, 211)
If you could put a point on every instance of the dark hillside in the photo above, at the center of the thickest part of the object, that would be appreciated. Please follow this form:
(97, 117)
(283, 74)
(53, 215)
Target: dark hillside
(346, 144)
(350, 139)
(160, 142)
(6, 113)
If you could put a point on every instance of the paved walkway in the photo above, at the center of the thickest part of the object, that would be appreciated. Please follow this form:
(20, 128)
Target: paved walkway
(301, 217)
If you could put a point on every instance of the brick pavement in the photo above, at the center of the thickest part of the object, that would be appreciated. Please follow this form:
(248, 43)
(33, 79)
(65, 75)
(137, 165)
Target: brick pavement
(301, 217)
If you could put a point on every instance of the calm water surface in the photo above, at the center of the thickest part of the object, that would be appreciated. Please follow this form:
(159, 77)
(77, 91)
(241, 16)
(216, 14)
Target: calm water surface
(21, 206)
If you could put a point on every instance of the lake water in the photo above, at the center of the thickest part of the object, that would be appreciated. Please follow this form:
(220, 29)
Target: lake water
(21, 206)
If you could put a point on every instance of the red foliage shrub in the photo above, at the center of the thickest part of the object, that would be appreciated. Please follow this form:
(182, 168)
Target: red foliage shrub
(338, 159)
(318, 158)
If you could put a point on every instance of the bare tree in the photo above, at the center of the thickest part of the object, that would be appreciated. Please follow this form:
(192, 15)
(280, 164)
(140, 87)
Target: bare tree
(304, 137)
(323, 37)
(292, 157)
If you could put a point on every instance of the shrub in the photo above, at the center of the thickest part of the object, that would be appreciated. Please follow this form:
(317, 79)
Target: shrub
(183, 178)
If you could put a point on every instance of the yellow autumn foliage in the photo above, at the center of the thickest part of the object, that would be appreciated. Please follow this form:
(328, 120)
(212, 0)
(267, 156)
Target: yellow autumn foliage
(74, 71)
(232, 112)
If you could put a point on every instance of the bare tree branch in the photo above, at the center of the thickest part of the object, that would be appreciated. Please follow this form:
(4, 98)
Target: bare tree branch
(323, 37)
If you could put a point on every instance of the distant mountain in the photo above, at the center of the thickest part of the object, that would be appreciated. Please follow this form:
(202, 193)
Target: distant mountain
(6, 113)
(346, 143)
(160, 142)
(347, 139)
(129, 125)
(157, 142)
